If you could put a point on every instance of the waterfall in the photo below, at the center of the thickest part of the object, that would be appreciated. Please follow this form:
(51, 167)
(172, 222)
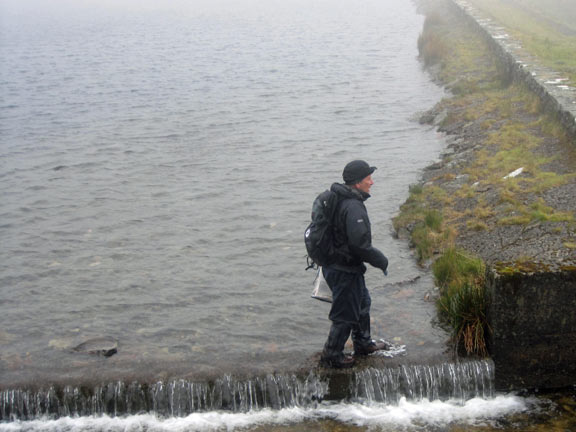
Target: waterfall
(174, 398)
(456, 381)
(178, 398)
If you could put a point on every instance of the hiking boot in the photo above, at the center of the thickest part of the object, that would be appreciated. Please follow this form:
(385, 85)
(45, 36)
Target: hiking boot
(344, 363)
(372, 347)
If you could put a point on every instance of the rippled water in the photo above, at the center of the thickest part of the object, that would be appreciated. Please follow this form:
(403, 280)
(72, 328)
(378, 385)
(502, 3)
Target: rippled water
(158, 166)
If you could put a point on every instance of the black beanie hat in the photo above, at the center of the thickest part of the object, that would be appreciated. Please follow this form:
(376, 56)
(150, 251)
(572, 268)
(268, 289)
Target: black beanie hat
(355, 171)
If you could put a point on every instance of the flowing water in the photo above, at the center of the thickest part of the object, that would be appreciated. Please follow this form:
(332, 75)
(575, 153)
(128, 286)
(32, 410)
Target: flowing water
(158, 165)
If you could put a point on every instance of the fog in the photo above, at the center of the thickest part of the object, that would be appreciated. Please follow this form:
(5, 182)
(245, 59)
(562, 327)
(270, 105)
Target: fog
(18, 8)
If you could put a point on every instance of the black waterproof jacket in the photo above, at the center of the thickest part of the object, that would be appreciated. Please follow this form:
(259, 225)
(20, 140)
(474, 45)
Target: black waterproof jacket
(353, 235)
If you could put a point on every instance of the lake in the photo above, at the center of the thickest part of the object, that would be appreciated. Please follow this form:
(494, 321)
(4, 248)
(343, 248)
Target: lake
(158, 167)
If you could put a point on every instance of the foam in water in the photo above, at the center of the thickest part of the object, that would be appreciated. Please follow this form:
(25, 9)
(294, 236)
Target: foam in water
(409, 416)
(178, 398)
(409, 398)
(446, 381)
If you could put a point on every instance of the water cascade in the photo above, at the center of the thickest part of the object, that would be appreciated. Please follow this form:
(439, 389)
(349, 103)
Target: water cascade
(178, 398)
(455, 381)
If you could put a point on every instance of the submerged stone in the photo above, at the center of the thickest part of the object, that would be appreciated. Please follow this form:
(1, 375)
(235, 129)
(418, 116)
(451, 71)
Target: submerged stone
(105, 346)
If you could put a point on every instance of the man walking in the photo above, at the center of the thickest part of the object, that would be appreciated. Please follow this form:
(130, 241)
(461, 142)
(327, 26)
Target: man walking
(350, 312)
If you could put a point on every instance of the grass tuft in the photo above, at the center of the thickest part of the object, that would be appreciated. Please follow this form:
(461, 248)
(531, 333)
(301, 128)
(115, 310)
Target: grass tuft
(514, 130)
(463, 303)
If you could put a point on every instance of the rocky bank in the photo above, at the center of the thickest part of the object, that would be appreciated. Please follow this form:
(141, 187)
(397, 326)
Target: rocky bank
(506, 189)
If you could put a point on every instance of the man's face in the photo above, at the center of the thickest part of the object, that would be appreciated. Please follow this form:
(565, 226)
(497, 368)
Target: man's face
(365, 184)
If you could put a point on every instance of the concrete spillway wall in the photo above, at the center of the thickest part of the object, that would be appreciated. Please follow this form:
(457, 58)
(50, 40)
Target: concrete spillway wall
(533, 319)
(533, 309)
(557, 96)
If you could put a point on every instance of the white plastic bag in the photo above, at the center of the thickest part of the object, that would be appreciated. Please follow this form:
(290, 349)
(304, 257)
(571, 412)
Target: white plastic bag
(321, 289)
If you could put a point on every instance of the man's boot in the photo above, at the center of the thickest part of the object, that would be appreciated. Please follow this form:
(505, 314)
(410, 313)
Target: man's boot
(363, 343)
(333, 353)
(372, 347)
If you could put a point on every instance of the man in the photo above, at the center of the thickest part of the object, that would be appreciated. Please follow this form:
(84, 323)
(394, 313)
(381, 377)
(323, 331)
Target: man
(350, 312)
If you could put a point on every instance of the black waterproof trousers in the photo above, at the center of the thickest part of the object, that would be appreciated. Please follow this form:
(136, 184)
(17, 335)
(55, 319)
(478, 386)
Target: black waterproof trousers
(350, 313)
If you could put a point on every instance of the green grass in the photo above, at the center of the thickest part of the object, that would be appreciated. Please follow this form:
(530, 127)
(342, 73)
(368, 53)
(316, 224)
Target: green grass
(511, 130)
(433, 220)
(507, 147)
(546, 29)
(428, 233)
(429, 236)
(463, 303)
(559, 12)
(538, 211)
(456, 52)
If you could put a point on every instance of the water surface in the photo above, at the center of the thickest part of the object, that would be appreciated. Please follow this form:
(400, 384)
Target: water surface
(158, 166)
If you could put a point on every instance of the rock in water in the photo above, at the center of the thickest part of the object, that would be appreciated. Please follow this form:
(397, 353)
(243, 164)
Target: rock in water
(106, 346)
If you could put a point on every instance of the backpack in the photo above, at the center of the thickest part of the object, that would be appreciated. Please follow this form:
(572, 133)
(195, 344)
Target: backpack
(319, 235)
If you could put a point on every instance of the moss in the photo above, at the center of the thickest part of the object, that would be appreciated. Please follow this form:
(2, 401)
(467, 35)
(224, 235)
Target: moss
(543, 181)
(415, 189)
(506, 270)
(528, 267)
(515, 220)
(535, 212)
(520, 267)
(483, 211)
(465, 191)
(475, 225)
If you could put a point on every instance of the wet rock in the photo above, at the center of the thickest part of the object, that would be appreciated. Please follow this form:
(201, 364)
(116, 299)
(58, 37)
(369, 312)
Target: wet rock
(105, 346)
(435, 166)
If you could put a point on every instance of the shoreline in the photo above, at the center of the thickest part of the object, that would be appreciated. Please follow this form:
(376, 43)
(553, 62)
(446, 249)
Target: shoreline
(502, 191)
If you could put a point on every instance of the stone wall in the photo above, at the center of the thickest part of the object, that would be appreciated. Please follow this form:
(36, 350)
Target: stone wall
(557, 96)
(533, 307)
(533, 319)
